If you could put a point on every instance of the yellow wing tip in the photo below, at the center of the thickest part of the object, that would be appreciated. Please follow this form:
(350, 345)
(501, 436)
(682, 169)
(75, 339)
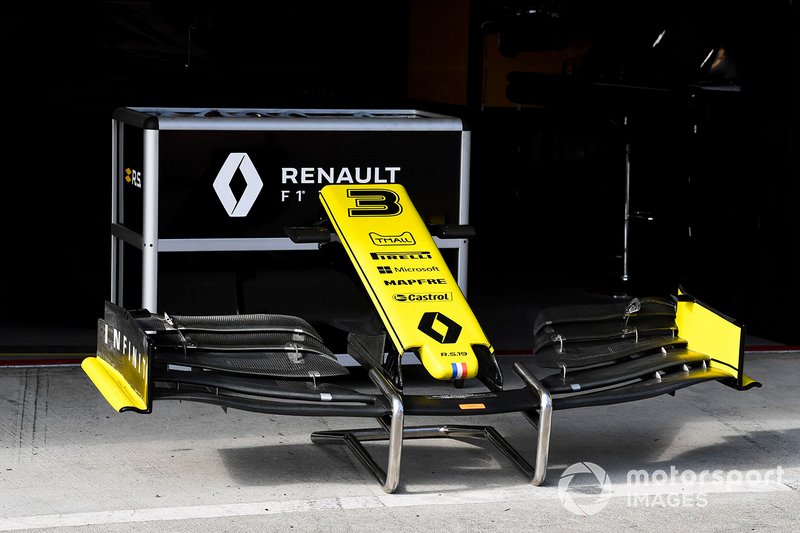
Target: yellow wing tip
(111, 385)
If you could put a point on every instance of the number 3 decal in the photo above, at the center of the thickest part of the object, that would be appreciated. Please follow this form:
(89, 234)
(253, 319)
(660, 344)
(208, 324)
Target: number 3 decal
(374, 203)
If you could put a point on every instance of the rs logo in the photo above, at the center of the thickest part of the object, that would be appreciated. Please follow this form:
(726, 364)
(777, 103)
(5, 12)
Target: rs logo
(374, 203)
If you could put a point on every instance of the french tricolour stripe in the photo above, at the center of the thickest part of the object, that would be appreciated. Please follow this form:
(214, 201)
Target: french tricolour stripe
(459, 370)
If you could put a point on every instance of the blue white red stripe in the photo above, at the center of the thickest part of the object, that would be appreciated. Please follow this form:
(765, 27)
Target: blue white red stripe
(459, 370)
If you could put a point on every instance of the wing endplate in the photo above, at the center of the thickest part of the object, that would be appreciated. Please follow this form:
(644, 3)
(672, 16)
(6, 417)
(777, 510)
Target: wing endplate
(721, 338)
(121, 368)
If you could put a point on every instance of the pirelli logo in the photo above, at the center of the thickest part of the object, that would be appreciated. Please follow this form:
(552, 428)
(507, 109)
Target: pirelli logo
(400, 256)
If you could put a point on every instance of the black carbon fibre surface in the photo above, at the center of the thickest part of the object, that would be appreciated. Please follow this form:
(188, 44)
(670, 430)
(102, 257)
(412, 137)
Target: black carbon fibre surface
(254, 341)
(609, 330)
(579, 313)
(305, 390)
(259, 405)
(591, 353)
(288, 364)
(640, 390)
(367, 349)
(611, 374)
(259, 321)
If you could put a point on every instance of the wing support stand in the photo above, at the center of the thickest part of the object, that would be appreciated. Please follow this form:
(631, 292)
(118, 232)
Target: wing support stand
(392, 430)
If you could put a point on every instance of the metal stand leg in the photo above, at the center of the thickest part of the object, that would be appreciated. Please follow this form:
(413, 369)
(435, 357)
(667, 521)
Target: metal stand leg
(540, 422)
(391, 429)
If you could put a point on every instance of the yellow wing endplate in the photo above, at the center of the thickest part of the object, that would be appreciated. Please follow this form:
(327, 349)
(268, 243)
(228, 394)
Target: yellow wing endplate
(406, 277)
(709, 332)
(121, 368)
(117, 392)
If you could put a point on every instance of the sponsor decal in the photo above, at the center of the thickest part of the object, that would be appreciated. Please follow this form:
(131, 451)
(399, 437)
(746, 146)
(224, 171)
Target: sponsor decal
(423, 297)
(222, 184)
(404, 239)
(119, 342)
(399, 256)
(417, 269)
(418, 281)
(432, 323)
(387, 269)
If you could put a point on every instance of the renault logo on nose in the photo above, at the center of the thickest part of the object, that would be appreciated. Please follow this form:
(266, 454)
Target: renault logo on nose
(451, 328)
(222, 184)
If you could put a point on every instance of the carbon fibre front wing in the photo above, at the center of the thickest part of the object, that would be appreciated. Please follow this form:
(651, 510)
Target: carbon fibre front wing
(280, 364)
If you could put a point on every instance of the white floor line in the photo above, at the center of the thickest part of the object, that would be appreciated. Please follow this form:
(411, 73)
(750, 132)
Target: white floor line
(525, 493)
(268, 507)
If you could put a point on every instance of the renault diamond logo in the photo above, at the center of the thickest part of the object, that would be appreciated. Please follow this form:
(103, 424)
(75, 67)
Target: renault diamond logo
(432, 324)
(222, 184)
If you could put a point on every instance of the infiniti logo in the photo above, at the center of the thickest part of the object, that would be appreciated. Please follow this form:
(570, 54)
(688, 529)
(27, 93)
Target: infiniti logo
(222, 184)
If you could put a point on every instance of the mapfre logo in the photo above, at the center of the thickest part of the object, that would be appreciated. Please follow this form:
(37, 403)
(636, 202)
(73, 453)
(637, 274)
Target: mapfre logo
(222, 184)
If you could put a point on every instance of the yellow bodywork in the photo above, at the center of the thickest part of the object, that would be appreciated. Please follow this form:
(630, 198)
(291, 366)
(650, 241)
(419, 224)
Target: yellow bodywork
(408, 280)
(112, 385)
(121, 368)
(715, 335)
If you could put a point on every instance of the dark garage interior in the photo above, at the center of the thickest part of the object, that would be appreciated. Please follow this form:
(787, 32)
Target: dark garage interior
(693, 105)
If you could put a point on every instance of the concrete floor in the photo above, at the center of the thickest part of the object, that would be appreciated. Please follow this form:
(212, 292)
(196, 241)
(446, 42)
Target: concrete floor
(68, 462)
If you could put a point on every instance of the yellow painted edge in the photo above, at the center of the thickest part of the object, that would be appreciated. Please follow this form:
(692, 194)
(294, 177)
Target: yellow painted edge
(711, 334)
(748, 382)
(112, 385)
